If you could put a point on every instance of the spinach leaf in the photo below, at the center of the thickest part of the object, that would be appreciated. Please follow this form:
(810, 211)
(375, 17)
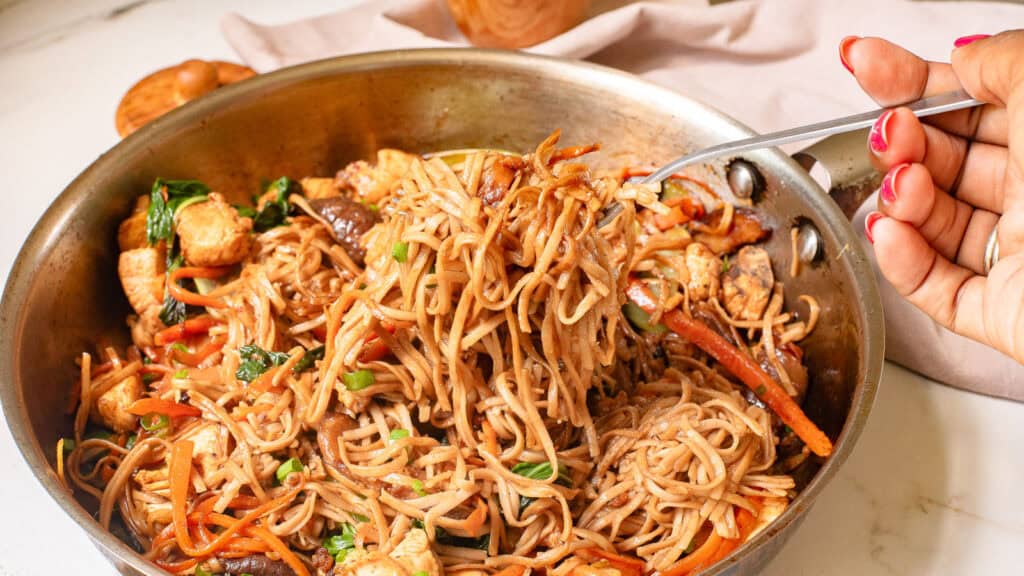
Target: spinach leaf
(542, 471)
(443, 537)
(172, 312)
(274, 212)
(308, 359)
(256, 361)
(160, 215)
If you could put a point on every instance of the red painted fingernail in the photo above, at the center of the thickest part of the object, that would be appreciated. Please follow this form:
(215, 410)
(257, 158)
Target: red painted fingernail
(844, 45)
(878, 139)
(965, 40)
(869, 223)
(888, 188)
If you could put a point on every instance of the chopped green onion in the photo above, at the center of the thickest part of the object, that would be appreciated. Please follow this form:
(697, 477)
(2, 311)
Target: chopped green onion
(338, 545)
(200, 571)
(69, 444)
(358, 379)
(181, 374)
(725, 264)
(399, 433)
(149, 377)
(131, 441)
(359, 517)
(309, 359)
(760, 390)
(641, 319)
(154, 421)
(100, 433)
(420, 573)
(179, 346)
(417, 487)
(289, 466)
(400, 251)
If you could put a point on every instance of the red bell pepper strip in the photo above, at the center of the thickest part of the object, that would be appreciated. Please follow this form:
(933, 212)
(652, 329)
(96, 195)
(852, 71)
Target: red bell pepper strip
(187, 329)
(144, 406)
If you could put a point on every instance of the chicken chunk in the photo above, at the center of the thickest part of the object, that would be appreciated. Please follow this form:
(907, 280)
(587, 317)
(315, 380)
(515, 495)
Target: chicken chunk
(112, 406)
(747, 284)
(704, 268)
(371, 183)
(211, 448)
(313, 188)
(412, 555)
(771, 508)
(746, 228)
(142, 276)
(212, 233)
(131, 234)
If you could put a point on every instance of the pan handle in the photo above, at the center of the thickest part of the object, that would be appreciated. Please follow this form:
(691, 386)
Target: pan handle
(841, 164)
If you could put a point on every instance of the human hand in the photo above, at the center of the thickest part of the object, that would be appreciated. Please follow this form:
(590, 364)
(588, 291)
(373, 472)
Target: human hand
(950, 181)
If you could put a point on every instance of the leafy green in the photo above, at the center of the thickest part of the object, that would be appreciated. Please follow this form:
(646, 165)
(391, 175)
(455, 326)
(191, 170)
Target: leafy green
(308, 359)
(542, 471)
(274, 212)
(443, 537)
(160, 215)
(173, 312)
(286, 468)
(338, 545)
(256, 361)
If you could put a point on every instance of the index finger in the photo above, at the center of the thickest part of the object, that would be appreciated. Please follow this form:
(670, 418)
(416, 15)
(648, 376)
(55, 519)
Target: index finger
(892, 75)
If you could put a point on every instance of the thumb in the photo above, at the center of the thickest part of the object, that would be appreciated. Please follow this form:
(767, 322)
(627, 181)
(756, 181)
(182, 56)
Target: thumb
(992, 69)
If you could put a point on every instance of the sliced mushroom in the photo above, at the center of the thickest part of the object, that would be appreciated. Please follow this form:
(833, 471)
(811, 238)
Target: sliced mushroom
(257, 565)
(747, 284)
(349, 220)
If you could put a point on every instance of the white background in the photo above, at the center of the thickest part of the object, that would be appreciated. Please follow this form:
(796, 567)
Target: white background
(936, 485)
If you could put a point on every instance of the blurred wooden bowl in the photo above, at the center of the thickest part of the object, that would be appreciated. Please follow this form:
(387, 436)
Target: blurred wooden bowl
(516, 23)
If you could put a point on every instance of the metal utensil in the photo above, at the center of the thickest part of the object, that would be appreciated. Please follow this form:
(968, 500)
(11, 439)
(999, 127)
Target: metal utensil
(938, 104)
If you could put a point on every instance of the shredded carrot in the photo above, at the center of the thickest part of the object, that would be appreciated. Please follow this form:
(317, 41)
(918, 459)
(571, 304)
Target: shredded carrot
(178, 567)
(269, 538)
(626, 565)
(237, 524)
(473, 523)
(674, 217)
(697, 559)
(490, 438)
(741, 365)
(195, 358)
(144, 406)
(263, 382)
(180, 471)
(373, 351)
(182, 295)
(188, 328)
(746, 522)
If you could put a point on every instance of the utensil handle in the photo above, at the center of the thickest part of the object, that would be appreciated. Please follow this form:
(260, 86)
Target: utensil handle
(938, 104)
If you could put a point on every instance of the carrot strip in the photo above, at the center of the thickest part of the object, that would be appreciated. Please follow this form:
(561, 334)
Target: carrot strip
(237, 524)
(476, 519)
(180, 471)
(267, 537)
(188, 297)
(626, 565)
(263, 382)
(697, 559)
(188, 328)
(144, 406)
(178, 567)
(571, 152)
(195, 358)
(241, 412)
(490, 438)
(675, 216)
(742, 366)
(746, 522)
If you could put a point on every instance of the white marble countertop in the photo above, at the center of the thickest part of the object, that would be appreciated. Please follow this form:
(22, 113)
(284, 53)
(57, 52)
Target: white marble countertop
(933, 488)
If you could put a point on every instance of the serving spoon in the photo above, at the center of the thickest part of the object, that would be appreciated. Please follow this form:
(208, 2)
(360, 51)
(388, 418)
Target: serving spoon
(937, 104)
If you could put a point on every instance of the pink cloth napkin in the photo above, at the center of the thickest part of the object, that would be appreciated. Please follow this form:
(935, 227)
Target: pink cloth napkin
(783, 53)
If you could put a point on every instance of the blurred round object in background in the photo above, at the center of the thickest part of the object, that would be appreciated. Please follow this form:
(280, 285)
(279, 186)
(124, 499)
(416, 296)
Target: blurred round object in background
(516, 23)
(165, 90)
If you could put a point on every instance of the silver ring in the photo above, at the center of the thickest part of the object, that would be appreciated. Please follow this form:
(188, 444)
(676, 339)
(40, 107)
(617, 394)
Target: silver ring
(992, 250)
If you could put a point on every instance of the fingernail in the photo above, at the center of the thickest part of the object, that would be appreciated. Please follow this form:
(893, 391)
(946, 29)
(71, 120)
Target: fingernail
(869, 223)
(888, 189)
(878, 139)
(965, 40)
(844, 45)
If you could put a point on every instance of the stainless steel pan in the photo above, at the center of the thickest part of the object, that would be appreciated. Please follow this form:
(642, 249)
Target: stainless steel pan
(63, 290)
